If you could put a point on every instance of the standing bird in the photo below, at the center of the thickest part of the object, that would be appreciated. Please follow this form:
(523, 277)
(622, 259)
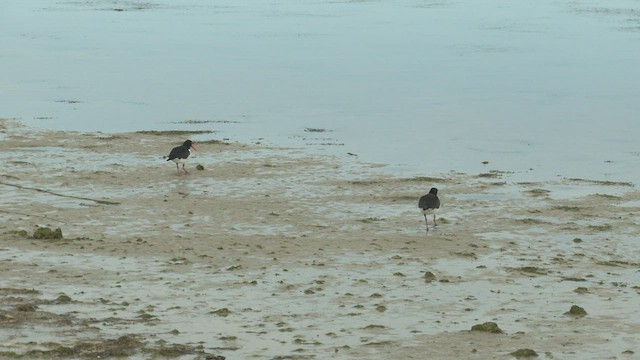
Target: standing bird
(179, 155)
(429, 204)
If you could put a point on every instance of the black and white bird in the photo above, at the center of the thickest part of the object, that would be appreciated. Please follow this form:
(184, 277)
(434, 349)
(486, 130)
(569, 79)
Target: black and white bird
(179, 154)
(429, 204)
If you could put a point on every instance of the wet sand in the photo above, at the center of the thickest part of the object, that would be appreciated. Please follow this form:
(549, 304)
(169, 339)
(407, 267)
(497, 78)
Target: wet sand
(272, 253)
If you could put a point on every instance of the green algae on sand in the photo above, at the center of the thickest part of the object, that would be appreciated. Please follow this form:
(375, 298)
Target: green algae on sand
(576, 311)
(429, 276)
(47, 233)
(488, 326)
(521, 353)
(224, 312)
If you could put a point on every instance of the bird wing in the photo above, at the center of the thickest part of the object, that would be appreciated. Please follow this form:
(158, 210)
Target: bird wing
(422, 204)
(179, 152)
(429, 201)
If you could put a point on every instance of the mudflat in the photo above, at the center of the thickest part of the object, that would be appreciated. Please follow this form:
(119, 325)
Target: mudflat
(275, 253)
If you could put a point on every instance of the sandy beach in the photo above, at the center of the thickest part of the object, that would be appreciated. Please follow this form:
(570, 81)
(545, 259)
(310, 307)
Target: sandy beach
(272, 253)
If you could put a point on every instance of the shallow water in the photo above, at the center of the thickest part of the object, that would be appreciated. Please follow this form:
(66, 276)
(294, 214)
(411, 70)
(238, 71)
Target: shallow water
(544, 89)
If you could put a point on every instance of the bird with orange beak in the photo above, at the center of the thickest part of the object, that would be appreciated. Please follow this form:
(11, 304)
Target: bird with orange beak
(179, 155)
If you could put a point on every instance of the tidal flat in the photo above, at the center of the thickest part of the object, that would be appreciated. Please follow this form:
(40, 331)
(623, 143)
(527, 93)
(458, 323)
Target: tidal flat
(273, 253)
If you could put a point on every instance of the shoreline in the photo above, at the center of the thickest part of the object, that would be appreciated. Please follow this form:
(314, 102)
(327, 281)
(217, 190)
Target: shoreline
(271, 252)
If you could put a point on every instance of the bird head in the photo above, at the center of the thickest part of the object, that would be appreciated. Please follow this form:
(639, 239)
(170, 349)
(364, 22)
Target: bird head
(189, 145)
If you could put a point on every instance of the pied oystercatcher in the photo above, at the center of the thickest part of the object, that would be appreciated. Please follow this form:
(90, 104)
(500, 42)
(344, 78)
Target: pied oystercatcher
(179, 154)
(429, 204)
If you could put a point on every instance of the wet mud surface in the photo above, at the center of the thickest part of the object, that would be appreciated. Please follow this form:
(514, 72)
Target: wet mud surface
(272, 253)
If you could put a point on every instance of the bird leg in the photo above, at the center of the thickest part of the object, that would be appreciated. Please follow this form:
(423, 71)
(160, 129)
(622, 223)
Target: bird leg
(426, 223)
(178, 167)
(185, 170)
(434, 220)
